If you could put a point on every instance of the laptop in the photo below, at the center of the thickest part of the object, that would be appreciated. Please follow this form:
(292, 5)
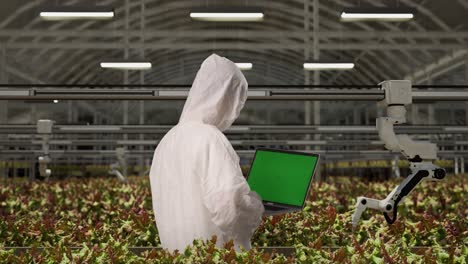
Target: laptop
(282, 179)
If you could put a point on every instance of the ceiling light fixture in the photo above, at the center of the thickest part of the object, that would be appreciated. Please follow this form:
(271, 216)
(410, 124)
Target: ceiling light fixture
(318, 66)
(75, 13)
(368, 14)
(126, 65)
(228, 14)
(244, 65)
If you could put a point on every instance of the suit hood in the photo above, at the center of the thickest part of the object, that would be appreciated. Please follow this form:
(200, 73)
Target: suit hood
(217, 95)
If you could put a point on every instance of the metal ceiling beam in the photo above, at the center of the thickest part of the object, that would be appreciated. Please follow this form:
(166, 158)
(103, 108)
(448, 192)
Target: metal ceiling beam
(463, 3)
(235, 34)
(179, 6)
(275, 7)
(93, 45)
(330, 23)
(442, 65)
(18, 73)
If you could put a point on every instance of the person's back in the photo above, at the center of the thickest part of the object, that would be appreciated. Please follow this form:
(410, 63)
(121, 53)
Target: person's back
(182, 189)
(197, 186)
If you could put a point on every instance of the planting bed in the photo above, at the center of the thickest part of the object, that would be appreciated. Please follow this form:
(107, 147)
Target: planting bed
(101, 219)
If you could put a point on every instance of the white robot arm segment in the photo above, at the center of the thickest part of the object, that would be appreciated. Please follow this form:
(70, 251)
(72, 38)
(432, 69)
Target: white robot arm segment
(420, 154)
(425, 171)
(44, 129)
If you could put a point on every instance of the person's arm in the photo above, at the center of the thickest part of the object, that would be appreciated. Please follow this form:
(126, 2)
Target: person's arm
(234, 208)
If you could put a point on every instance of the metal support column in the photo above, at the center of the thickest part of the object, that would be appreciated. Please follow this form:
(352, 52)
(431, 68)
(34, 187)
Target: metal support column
(3, 105)
(415, 114)
(32, 168)
(366, 118)
(3, 79)
(430, 109)
(431, 115)
(307, 105)
(466, 81)
(141, 160)
(70, 120)
(316, 43)
(462, 165)
(357, 116)
(126, 56)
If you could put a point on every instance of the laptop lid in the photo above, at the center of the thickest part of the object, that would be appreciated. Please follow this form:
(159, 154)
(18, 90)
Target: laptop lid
(282, 177)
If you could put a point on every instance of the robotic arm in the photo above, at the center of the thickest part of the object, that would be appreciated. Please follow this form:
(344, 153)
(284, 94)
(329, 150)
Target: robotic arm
(44, 128)
(121, 163)
(420, 154)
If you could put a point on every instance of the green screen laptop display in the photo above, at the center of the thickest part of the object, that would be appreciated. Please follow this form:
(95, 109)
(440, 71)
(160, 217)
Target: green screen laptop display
(281, 177)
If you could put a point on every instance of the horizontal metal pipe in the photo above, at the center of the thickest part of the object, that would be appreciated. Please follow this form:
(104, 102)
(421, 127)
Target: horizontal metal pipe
(253, 129)
(238, 33)
(156, 94)
(293, 86)
(266, 94)
(127, 142)
(111, 153)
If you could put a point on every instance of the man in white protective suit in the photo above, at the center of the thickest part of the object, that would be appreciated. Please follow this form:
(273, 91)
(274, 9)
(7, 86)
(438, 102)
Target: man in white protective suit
(197, 185)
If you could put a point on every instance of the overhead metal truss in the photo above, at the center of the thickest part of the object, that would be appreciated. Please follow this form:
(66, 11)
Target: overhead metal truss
(163, 29)
(226, 45)
(238, 34)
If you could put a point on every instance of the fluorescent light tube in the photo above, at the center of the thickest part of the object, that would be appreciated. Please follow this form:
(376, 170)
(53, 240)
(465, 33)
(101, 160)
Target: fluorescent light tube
(231, 17)
(317, 66)
(76, 12)
(75, 15)
(385, 14)
(227, 14)
(126, 65)
(244, 65)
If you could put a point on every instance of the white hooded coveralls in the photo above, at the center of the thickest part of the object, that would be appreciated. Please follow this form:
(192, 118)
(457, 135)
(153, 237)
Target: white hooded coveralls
(197, 185)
